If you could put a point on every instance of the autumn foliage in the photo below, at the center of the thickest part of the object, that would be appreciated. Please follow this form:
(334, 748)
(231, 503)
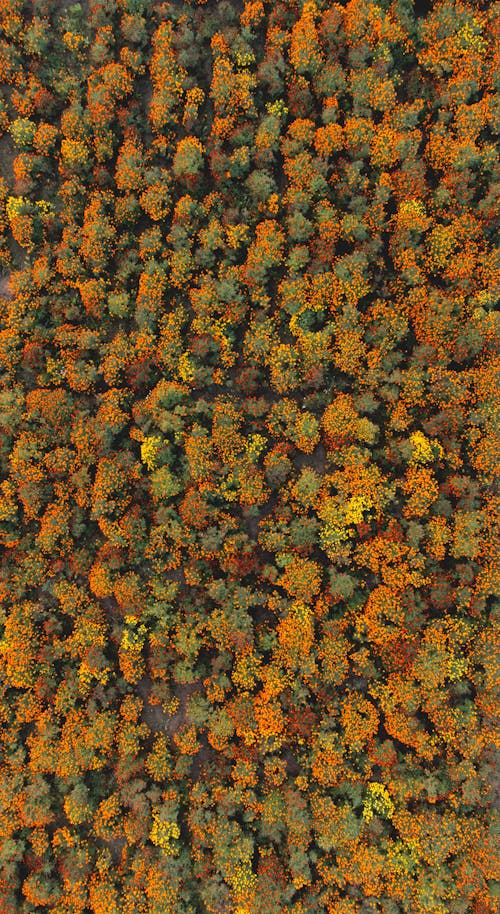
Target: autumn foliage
(249, 451)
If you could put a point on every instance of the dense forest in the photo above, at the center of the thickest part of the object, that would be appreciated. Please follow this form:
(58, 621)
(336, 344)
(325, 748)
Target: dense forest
(249, 453)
